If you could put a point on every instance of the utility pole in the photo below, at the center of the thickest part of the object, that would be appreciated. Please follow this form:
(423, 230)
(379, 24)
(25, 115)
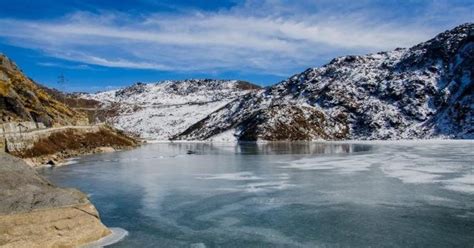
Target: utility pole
(62, 86)
(61, 80)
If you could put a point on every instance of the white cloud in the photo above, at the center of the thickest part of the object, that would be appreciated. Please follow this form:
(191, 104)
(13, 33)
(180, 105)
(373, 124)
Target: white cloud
(66, 66)
(239, 39)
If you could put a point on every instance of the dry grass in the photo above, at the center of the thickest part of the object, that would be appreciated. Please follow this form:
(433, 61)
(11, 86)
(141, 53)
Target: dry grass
(4, 88)
(73, 140)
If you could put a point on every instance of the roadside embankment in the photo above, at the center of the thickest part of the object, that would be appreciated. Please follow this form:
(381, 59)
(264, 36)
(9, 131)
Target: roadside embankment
(54, 145)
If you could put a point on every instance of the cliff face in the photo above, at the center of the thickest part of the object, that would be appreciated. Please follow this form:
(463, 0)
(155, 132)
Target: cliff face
(426, 91)
(21, 99)
(35, 213)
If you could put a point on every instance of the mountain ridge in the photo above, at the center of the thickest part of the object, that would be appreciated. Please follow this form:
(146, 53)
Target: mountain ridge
(425, 91)
(400, 94)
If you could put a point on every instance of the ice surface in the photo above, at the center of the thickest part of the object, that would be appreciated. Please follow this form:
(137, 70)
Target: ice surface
(462, 184)
(343, 164)
(292, 195)
(427, 163)
(238, 176)
(265, 183)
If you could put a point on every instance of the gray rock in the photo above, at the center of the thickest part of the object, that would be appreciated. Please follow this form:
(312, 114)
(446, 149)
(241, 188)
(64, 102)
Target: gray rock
(23, 190)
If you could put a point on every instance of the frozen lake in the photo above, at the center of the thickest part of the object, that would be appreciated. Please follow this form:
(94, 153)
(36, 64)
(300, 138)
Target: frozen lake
(283, 194)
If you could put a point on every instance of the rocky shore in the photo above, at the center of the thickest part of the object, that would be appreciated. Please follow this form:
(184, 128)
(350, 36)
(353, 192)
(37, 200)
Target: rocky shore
(36, 213)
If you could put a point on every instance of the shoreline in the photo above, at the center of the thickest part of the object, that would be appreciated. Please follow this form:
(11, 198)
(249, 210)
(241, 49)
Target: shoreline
(60, 159)
(401, 141)
(117, 234)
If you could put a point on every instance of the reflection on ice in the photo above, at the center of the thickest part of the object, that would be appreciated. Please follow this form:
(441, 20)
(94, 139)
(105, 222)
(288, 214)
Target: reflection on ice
(279, 148)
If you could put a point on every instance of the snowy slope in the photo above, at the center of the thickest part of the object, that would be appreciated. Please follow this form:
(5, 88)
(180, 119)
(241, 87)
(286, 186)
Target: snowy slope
(161, 110)
(423, 92)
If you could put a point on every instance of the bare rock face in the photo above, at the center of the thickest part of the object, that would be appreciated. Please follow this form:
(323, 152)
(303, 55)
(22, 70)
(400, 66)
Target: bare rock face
(291, 123)
(35, 213)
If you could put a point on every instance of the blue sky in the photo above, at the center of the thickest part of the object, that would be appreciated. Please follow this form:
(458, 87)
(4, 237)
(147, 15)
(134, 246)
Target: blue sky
(106, 44)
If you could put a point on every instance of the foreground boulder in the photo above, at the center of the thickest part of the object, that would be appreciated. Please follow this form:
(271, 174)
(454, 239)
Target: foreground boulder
(36, 213)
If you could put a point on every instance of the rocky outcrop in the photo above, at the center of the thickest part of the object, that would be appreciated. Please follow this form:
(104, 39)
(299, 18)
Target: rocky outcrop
(21, 99)
(35, 213)
(426, 91)
(291, 123)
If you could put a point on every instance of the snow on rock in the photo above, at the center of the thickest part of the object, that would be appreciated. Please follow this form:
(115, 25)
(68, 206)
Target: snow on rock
(426, 91)
(229, 136)
(159, 111)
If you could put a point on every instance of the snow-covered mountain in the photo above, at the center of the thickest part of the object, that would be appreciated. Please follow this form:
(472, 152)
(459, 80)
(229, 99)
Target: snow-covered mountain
(426, 91)
(162, 110)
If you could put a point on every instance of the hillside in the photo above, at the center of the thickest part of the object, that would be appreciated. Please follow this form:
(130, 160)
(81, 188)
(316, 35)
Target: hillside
(422, 92)
(66, 131)
(21, 99)
(161, 110)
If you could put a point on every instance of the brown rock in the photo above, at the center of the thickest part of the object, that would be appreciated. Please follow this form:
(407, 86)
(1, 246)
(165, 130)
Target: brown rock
(55, 227)
(105, 149)
(36, 213)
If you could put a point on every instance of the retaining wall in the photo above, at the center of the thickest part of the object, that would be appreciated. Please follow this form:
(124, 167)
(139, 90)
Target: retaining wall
(16, 138)
(19, 127)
